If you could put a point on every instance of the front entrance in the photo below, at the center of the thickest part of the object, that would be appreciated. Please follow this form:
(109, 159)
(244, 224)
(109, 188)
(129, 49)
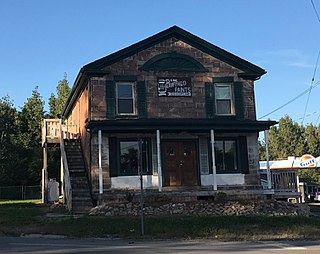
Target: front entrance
(179, 163)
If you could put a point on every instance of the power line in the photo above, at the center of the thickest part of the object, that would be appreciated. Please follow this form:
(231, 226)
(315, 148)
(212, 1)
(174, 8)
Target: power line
(312, 80)
(292, 100)
(315, 10)
(311, 84)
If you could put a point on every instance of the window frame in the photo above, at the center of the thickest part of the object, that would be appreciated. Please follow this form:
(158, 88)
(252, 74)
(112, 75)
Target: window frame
(133, 98)
(231, 91)
(237, 159)
(148, 163)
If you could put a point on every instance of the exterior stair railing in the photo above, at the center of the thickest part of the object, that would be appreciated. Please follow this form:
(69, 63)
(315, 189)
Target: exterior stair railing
(54, 132)
(66, 181)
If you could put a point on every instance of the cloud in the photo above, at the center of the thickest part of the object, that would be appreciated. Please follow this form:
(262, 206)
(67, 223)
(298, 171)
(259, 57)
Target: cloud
(288, 57)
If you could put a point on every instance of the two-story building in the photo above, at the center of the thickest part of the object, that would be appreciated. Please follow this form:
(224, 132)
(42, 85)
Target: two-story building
(175, 106)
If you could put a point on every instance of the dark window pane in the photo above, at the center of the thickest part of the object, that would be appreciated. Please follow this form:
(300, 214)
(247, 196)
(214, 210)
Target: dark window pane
(223, 107)
(124, 91)
(226, 155)
(218, 149)
(125, 106)
(230, 155)
(129, 157)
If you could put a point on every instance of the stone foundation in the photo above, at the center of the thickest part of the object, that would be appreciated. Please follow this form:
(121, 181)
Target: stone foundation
(204, 208)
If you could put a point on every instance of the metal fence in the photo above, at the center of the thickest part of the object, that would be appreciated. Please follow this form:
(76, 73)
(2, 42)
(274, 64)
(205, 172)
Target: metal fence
(20, 192)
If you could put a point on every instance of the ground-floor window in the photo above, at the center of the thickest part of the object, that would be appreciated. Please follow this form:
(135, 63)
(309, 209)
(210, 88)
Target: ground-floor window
(226, 156)
(231, 155)
(131, 154)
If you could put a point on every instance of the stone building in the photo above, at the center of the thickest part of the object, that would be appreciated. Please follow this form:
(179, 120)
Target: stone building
(173, 106)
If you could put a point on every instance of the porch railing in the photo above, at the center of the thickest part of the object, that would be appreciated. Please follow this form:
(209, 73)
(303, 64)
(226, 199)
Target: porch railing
(66, 181)
(284, 180)
(281, 180)
(53, 130)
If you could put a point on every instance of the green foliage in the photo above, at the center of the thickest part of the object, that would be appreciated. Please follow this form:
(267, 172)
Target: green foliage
(289, 138)
(31, 116)
(262, 150)
(311, 175)
(312, 139)
(286, 139)
(57, 104)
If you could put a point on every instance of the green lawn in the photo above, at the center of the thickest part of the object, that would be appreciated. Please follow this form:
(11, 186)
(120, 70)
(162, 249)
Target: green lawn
(26, 217)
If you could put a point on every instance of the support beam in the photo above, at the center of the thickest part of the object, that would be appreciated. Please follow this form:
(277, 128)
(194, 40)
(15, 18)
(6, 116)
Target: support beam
(214, 169)
(100, 164)
(44, 183)
(266, 140)
(159, 162)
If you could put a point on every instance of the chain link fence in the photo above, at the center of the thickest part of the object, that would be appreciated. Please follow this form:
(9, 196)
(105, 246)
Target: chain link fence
(20, 192)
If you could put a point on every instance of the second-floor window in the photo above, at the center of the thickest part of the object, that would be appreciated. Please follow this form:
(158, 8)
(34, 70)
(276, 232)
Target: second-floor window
(125, 98)
(223, 99)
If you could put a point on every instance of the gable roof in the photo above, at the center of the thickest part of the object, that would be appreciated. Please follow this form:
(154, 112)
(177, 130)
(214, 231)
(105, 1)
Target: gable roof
(250, 70)
(186, 37)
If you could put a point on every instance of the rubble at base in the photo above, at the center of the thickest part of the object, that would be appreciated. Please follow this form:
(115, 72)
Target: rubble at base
(204, 208)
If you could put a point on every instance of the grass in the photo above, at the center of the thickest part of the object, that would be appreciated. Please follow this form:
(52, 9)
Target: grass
(25, 217)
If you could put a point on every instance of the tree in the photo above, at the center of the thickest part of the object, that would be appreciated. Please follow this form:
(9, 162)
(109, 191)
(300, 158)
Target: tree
(312, 145)
(57, 104)
(31, 116)
(286, 139)
(8, 127)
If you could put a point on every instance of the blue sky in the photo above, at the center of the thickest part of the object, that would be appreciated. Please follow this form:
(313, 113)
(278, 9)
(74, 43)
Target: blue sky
(42, 40)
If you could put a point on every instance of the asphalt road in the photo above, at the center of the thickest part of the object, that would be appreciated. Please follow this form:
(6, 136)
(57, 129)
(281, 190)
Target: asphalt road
(37, 245)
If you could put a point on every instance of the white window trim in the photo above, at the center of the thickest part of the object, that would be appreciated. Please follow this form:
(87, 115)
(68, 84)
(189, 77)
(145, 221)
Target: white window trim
(231, 99)
(133, 98)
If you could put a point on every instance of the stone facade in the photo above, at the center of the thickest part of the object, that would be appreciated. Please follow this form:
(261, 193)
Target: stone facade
(171, 107)
(91, 107)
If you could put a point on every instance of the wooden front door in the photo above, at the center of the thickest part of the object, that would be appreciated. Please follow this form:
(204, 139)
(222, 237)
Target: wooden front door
(179, 163)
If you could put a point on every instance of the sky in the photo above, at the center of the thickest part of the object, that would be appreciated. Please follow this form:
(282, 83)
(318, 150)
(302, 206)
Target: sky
(40, 41)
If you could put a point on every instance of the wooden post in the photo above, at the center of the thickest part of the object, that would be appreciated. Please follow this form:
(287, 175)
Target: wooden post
(214, 169)
(266, 140)
(100, 163)
(44, 185)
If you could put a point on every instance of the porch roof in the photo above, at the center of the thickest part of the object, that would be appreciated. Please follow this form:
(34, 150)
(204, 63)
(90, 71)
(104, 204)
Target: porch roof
(136, 125)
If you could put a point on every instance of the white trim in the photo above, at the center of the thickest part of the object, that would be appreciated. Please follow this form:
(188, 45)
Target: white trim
(133, 182)
(266, 139)
(214, 169)
(223, 179)
(232, 108)
(132, 84)
(100, 163)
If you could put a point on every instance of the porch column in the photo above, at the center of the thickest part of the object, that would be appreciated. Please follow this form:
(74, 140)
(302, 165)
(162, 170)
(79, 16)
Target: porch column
(100, 166)
(159, 162)
(266, 140)
(214, 169)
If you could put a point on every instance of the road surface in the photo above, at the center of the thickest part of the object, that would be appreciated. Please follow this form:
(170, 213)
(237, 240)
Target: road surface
(61, 246)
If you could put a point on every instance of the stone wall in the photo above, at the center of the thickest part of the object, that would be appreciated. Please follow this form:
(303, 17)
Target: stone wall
(171, 107)
(205, 208)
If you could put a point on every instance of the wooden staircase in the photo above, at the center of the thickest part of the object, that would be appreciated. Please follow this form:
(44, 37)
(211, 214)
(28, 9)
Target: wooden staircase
(81, 196)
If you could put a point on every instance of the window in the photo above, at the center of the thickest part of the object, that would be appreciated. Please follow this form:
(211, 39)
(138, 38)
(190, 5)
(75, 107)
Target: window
(129, 157)
(125, 98)
(223, 99)
(226, 156)
(230, 155)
